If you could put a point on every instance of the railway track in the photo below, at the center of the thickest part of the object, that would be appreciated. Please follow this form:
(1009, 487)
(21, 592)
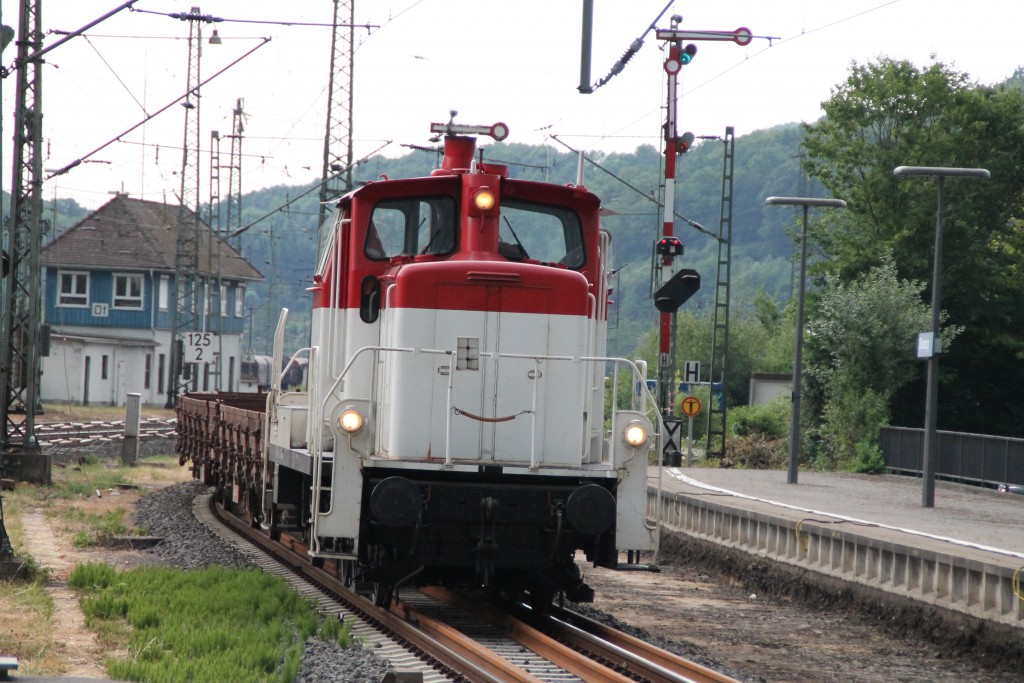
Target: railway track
(73, 433)
(449, 636)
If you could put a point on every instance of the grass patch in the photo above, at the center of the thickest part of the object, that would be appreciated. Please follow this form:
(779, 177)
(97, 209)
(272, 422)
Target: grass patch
(25, 607)
(198, 625)
(28, 635)
(93, 528)
(83, 481)
(58, 412)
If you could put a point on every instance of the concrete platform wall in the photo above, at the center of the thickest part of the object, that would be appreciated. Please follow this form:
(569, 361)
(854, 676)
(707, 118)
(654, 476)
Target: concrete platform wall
(987, 590)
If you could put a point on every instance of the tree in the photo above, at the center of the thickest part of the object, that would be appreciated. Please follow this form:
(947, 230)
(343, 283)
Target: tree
(891, 113)
(860, 351)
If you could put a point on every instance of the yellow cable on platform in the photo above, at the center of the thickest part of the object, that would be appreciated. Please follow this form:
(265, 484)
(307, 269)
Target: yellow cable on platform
(802, 540)
(804, 545)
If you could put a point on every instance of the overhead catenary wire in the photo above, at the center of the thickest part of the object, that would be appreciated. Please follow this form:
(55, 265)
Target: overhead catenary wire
(689, 221)
(114, 73)
(288, 203)
(402, 14)
(210, 19)
(39, 53)
(177, 148)
(772, 42)
(149, 117)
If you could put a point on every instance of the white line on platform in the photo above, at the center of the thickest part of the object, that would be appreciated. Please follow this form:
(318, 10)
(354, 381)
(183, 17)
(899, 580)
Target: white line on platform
(677, 474)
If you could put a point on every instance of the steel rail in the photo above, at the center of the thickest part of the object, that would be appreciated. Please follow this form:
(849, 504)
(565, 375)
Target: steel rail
(570, 660)
(562, 636)
(654, 663)
(457, 642)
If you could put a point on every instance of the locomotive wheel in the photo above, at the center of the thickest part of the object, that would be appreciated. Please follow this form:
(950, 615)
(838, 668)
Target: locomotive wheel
(382, 595)
(274, 530)
(253, 504)
(540, 599)
(379, 592)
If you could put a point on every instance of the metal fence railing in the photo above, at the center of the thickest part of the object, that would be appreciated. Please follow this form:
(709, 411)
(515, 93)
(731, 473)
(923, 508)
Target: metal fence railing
(970, 458)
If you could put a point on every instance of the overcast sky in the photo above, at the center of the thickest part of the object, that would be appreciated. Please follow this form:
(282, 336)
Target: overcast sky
(516, 61)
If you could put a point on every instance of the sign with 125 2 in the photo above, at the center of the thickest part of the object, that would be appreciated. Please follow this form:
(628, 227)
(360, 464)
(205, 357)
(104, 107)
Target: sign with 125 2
(201, 347)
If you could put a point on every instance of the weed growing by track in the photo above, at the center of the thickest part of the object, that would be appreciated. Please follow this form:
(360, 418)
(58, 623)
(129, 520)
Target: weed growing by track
(198, 625)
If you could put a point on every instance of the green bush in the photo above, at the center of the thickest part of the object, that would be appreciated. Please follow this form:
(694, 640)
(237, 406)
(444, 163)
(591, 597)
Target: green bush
(869, 458)
(770, 421)
(756, 453)
(853, 421)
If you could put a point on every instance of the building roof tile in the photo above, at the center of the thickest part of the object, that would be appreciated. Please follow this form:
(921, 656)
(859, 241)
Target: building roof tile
(135, 234)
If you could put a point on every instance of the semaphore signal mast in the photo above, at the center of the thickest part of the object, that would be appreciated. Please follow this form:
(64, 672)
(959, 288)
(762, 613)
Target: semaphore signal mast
(672, 289)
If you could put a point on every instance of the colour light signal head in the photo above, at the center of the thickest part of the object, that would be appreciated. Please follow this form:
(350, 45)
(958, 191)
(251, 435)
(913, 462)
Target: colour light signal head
(669, 246)
(685, 142)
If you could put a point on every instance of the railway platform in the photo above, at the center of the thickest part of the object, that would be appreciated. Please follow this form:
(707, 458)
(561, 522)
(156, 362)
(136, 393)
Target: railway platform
(966, 554)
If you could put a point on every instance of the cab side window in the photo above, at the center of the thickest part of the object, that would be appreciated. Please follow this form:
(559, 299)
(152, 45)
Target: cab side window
(411, 226)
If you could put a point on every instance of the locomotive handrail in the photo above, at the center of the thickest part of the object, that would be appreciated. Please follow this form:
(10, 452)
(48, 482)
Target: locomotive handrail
(279, 345)
(315, 442)
(536, 358)
(339, 381)
(291, 362)
(660, 430)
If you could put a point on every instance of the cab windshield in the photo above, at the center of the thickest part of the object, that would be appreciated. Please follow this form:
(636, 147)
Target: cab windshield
(546, 233)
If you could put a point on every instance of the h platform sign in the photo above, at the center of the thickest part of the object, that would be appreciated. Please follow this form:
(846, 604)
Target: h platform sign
(691, 372)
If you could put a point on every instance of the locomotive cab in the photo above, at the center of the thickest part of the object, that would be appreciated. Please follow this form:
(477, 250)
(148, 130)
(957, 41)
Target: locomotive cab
(457, 426)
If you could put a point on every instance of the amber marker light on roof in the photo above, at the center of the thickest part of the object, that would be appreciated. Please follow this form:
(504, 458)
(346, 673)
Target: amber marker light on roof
(483, 199)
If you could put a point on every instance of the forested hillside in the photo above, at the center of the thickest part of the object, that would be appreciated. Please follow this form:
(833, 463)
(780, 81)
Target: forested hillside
(282, 245)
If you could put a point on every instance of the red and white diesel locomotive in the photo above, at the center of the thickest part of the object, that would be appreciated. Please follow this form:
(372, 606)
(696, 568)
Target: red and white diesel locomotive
(457, 426)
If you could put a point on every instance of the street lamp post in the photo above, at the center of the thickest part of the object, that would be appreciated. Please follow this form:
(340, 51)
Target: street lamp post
(798, 371)
(930, 449)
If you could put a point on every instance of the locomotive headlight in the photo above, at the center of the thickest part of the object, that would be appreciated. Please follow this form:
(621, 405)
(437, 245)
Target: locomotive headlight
(483, 199)
(634, 434)
(350, 421)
